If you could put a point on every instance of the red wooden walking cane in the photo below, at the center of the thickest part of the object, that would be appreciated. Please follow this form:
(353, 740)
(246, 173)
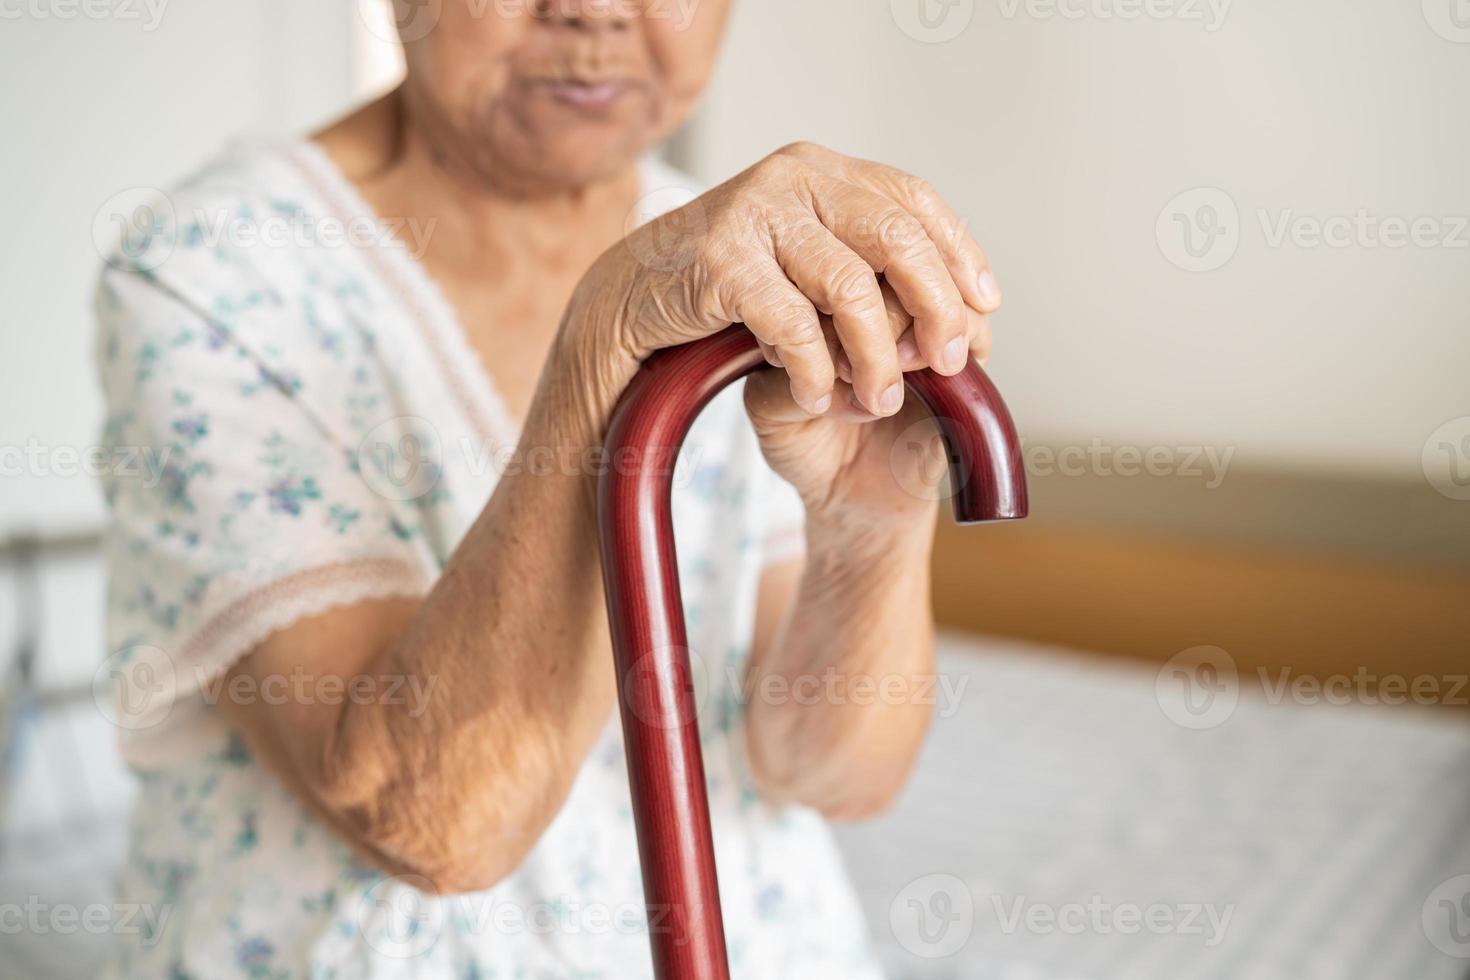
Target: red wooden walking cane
(656, 697)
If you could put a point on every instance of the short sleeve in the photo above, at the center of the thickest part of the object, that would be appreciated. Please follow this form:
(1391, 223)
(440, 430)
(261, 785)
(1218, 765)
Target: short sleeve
(237, 503)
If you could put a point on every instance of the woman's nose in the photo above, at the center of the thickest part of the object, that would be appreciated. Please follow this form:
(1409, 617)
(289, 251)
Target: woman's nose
(591, 15)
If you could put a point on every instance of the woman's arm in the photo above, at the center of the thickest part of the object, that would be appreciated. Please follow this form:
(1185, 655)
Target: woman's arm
(842, 680)
(513, 636)
(841, 677)
(510, 645)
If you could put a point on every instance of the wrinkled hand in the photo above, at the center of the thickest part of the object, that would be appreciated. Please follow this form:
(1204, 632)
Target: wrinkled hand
(848, 272)
(849, 465)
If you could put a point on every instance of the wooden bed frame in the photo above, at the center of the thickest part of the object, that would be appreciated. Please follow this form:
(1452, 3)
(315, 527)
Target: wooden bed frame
(1317, 575)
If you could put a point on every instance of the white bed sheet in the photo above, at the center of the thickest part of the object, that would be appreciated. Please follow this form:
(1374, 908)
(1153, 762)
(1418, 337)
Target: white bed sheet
(1057, 788)
(1050, 779)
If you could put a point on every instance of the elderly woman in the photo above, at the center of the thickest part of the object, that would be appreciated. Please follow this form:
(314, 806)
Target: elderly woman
(359, 619)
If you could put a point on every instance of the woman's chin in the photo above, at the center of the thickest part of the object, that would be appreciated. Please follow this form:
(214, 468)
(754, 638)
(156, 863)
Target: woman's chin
(578, 160)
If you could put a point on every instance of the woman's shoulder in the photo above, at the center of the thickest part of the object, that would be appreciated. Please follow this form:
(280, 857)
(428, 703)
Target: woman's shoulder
(265, 208)
(231, 282)
(250, 197)
(248, 242)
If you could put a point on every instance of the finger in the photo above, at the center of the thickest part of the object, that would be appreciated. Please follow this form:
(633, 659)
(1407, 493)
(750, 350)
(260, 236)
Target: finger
(769, 353)
(768, 401)
(842, 285)
(900, 325)
(964, 257)
(847, 408)
(909, 358)
(980, 337)
(758, 294)
(895, 244)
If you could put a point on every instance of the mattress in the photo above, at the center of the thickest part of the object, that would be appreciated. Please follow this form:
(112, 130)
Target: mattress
(1063, 824)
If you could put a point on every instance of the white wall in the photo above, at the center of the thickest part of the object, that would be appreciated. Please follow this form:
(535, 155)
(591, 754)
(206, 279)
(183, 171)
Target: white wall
(94, 106)
(1062, 140)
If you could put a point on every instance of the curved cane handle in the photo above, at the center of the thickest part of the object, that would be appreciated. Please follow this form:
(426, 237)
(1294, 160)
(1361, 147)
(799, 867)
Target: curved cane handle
(656, 701)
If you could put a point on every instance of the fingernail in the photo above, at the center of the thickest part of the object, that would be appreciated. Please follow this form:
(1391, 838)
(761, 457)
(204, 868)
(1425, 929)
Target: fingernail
(908, 349)
(891, 400)
(954, 353)
(820, 406)
(989, 291)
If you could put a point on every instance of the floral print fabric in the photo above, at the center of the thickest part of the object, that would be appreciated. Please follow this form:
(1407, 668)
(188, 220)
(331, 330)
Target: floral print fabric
(323, 435)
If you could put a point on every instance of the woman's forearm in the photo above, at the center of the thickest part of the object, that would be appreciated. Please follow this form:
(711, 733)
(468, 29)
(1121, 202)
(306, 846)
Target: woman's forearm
(840, 701)
(514, 636)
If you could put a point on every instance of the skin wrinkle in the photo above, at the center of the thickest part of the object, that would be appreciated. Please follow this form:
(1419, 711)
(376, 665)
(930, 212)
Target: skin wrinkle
(796, 739)
(533, 197)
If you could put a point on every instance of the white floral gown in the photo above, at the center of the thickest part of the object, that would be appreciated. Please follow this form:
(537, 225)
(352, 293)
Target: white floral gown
(263, 341)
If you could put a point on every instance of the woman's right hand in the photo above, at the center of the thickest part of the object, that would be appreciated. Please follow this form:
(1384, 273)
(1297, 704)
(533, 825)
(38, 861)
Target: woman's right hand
(804, 232)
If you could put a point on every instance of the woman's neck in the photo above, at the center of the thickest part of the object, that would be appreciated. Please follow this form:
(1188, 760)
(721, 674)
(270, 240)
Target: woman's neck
(475, 228)
(506, 262)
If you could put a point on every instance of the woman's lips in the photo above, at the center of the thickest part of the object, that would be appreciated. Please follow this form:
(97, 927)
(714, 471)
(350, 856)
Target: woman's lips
(585, 94)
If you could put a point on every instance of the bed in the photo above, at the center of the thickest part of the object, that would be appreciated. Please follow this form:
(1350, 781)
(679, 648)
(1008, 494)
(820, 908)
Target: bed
(1059, 826)
(1055, 797)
